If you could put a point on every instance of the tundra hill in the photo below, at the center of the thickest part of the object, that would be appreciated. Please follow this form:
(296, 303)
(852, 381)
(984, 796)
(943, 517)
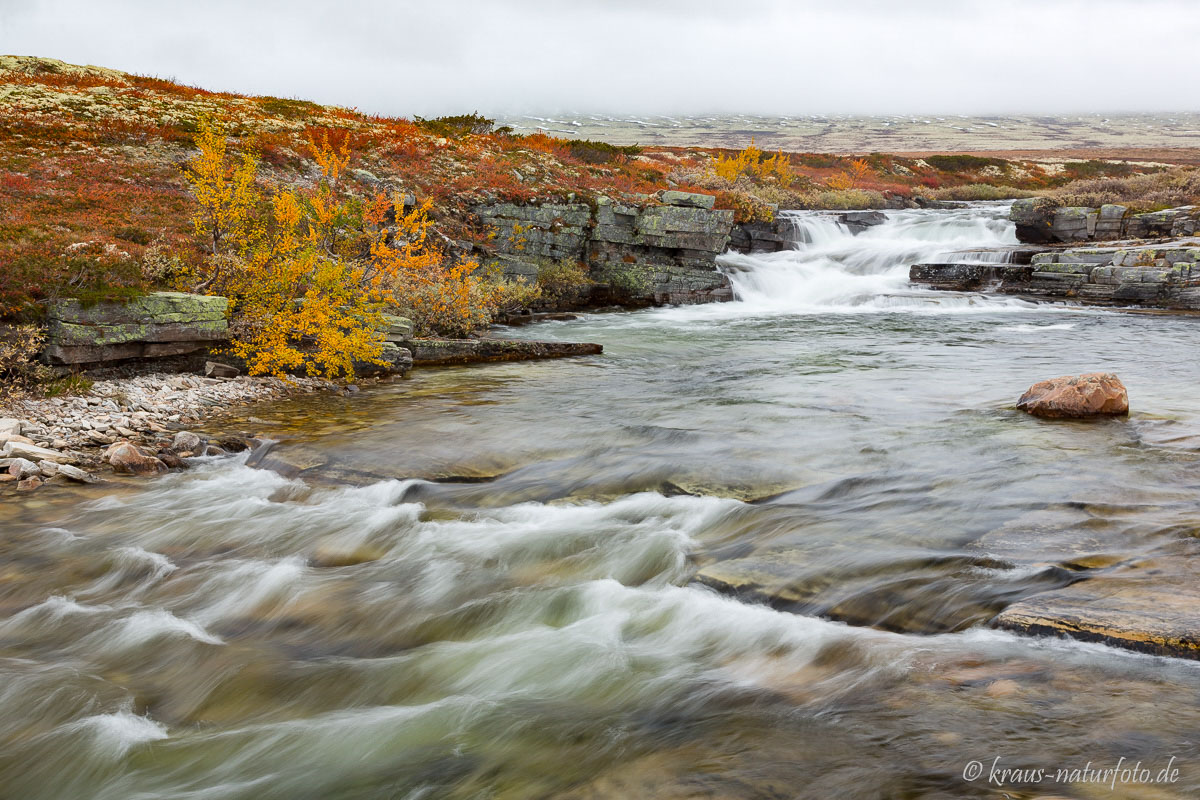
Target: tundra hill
(93, 202)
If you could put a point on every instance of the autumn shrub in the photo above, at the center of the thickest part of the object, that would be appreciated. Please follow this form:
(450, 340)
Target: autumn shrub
(289, 108)
(754, 163)
(843, 200)
(562, 282)
(979, 191)
(746, 206)
(964, 163)
(20, 370)
(592, 152)
(294, 265)
(93, 273)
(451, 298)
(1149, 192)
(459, 125)
(518, 294)
(1092, 168)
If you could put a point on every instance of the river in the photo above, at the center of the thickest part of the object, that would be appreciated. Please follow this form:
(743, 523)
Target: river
(486, 589)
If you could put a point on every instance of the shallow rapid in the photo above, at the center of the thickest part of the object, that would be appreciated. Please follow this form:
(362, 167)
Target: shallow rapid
(483, 585)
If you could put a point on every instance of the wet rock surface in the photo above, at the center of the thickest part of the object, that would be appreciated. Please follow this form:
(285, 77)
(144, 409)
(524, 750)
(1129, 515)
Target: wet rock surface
(1146, 604)
(443, 352)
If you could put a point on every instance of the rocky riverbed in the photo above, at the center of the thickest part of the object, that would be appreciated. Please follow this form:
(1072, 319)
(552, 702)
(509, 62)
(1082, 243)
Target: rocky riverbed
(64, 439)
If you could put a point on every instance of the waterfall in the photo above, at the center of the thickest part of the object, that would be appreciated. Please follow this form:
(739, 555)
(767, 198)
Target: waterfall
(829, 268)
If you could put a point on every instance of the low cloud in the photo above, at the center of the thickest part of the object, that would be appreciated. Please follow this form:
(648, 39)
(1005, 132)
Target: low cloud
(642, 56)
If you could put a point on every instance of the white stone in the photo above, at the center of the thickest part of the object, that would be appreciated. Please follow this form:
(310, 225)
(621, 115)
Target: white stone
(31, 451)
(76, 474)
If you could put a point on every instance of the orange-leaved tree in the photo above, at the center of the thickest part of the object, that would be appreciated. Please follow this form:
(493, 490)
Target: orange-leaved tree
(753, 163)
(311, 272)
(225, 193)
(442, 295)
(302, 298)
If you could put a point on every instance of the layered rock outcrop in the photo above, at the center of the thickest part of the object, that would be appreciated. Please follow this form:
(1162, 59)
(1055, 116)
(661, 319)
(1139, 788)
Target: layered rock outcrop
(1042, 220)
(151, 326)
(636, 255)
(1164, 276)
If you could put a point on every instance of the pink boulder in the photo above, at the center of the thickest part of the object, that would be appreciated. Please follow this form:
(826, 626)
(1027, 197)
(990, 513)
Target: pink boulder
(1090, 395)
(127, 458)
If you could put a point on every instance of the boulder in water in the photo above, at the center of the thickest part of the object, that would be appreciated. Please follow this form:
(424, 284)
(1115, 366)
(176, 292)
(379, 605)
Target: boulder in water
(1071, 397)
(127, 458)
(859, 221)
(186, 441)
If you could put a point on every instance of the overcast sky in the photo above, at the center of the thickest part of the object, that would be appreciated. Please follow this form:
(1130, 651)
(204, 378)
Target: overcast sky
(644, 56)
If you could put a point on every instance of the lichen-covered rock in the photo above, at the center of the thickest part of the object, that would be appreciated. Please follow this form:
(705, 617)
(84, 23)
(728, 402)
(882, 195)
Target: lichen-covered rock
(22, 468)
(859, 221)
(967, 277)
(396, 360)
(399, 329)
(213, 369)
(75, 473)
(1034, 218)
(186, 441)
(1090, 395)
(1043, 220)
(154, 325)
(762, 237)
(687, 199)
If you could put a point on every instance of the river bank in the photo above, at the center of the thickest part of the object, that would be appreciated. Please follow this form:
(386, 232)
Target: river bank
(40, 436)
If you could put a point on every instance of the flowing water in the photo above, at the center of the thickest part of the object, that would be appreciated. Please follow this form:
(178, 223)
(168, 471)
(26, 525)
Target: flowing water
(482, 586)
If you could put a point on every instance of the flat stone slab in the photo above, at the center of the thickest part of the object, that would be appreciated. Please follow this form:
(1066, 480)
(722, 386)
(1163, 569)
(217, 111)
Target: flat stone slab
(902, 590)
(1151, 606)
(442, 352)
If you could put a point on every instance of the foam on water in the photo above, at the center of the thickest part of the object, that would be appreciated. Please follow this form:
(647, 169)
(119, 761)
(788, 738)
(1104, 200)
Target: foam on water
(113, 735)
(833, 270)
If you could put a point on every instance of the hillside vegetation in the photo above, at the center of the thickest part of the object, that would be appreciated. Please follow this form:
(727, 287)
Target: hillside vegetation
(94, 201)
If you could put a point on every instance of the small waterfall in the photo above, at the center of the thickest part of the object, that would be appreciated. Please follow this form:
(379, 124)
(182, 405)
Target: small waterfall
(832, 269)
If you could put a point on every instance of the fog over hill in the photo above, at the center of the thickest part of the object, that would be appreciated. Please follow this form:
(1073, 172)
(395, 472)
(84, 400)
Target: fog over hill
(897, 133)
(648, 57)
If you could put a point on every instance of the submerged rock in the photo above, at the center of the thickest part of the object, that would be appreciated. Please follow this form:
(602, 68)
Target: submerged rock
(438, 352)
(1090, 395)
(1148, 606)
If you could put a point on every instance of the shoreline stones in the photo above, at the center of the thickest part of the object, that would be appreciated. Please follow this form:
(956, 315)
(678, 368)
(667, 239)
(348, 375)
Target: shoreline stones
(1074, 397)
(63, 438)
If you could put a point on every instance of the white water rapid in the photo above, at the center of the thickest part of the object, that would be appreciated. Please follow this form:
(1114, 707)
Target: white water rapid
(831, 269)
